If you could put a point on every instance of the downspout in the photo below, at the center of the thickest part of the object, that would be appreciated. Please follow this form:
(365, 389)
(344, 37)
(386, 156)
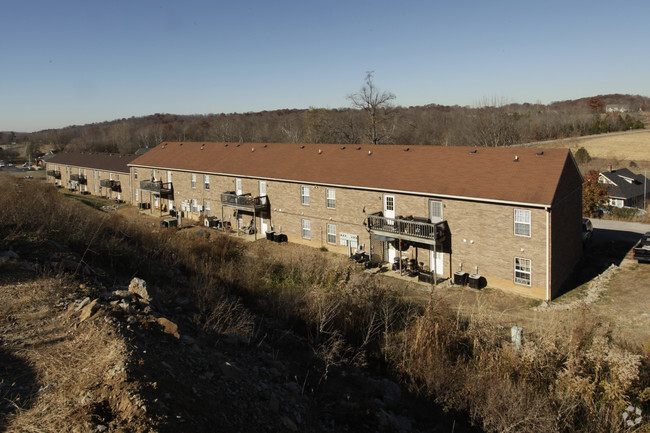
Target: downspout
(548, 254)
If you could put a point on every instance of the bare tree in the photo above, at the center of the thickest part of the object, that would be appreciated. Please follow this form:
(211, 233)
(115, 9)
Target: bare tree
(378, 106)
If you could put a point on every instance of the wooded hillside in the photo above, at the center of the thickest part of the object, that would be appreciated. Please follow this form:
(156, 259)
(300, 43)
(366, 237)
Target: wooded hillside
(491, 124)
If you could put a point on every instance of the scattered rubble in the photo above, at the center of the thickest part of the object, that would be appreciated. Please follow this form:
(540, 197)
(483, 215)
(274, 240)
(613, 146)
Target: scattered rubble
(596, 288)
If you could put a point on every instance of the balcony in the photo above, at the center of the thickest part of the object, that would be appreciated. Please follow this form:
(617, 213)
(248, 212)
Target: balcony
(244, 202)
(157, 188)
(79, 178)
(54, 173)
(117, 187)
(106, 183)
(410, 229)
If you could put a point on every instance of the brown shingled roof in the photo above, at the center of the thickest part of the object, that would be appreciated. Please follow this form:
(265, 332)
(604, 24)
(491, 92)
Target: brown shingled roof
(505, 174)
(95, 160)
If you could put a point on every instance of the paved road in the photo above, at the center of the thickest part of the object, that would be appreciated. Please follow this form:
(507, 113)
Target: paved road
(622, 226)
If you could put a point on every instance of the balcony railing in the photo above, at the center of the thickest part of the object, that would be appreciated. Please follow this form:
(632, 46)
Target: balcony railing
(407, 228)
(54, 173)
(157, 187)
(244, 201)
(79, 178)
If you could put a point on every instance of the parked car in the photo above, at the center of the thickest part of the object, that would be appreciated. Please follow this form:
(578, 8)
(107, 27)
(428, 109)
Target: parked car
(587, 231)
(641, 250)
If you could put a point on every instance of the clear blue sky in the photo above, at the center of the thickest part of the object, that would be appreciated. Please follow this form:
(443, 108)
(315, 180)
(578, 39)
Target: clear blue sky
(75, 62)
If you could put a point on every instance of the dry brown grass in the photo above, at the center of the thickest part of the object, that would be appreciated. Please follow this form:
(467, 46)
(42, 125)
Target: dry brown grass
(624, 147)
(77, 374)
(575, 382)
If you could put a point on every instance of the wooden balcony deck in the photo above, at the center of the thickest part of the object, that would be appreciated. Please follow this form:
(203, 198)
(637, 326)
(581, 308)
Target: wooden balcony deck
(407, 229)
(244, 202)
(157, 188)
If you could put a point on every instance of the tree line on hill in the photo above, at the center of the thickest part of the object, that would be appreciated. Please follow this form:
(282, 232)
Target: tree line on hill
(367, 121)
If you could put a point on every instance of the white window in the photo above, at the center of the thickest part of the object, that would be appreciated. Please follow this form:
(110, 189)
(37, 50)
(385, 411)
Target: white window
(306, 229)
(206, 181)
(238, 187)
(435, 211)
(207, 208)
(137, 195)
(330, 198)
(99, 174)
(193, 180)
(135, 173)
(195, 207)
(304, 195)
(522, 222)
(154, 176)
(95, 188)
(331, 234)
(169, 176)
(523, 268)
(110, 176)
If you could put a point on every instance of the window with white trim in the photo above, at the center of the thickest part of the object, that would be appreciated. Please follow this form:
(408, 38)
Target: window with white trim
(331, 234)
(137, 195)
(193, 180)
(523, 269)
(330, 198)
(435, 210)
(135, 173)
(206, 181)
(304, 195)
(239, 189)
(195, 206)
(522, 222)
(207, 208)
(306, 229)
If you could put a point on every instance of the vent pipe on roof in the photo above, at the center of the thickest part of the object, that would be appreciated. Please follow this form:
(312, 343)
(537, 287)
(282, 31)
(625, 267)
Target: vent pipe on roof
(265, 146)
(473, 151)
(342, 147)
(302, 146)
(320, 151)
(407, 149)
(359, 148)
(516, 158)
(370, 152)
(609, 168)
(540, 153)
(252, 149)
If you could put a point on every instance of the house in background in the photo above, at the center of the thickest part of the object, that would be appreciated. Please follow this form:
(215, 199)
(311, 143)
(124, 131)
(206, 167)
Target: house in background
(624, 188)
(101, 174)
(511, 216)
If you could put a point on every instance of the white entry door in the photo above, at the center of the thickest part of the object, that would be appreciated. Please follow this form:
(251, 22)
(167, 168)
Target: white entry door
(437, 261)
(389, 206)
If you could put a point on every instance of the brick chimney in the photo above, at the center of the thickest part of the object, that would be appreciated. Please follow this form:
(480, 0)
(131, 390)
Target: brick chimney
(609, 168)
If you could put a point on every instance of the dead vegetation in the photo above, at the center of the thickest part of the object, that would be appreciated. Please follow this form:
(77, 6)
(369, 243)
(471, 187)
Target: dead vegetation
(575, 379)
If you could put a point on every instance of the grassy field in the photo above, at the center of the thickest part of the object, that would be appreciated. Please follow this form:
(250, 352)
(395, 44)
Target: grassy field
(617, 149)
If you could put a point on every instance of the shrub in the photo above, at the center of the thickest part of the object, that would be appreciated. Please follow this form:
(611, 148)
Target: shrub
(582, 156)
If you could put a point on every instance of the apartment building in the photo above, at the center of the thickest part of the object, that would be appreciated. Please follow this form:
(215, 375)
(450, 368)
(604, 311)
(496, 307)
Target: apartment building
(511, 216)
(101, 174)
